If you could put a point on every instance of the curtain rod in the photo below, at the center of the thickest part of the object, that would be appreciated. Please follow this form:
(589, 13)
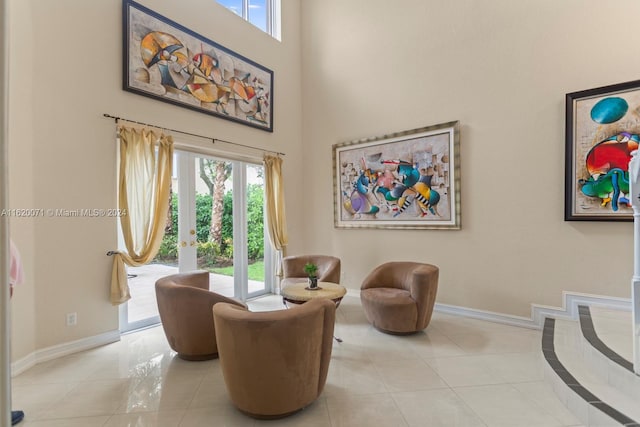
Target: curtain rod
(213, 140)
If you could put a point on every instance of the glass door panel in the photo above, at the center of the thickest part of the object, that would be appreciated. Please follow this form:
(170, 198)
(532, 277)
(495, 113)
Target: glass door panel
(212, 205)
(221, 218)
(256, 242)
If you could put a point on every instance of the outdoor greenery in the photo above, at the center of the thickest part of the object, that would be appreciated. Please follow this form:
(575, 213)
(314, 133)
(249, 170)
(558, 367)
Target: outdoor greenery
(256, 271)
(212, 255)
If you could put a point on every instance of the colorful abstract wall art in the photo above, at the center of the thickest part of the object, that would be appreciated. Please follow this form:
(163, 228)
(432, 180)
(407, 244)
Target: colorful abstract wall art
(408, 179)
(602, 129)
(166, 61)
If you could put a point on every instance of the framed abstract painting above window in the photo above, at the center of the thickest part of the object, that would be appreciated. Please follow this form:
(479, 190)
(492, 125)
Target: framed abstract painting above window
(168, 62)
(602, 129)
(408, 180)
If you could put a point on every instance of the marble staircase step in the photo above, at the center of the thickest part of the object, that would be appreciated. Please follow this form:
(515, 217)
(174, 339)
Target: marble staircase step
(614, 327)
(582, 377)
(607, 347)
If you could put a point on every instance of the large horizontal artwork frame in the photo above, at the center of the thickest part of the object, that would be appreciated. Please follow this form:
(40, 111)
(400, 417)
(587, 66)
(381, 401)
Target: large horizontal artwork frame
(168, 62)
(404, 180)
(602, 130)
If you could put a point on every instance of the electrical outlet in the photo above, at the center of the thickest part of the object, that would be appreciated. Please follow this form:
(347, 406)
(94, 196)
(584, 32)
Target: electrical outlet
(72, 319)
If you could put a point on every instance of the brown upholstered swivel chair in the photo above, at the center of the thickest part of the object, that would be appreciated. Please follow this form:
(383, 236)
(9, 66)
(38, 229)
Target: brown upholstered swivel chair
(184, 305)
(275, 363)
(293, 268)
(398, 297)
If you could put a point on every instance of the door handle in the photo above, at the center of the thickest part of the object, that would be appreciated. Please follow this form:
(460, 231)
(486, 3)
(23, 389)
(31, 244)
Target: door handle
(183, 244)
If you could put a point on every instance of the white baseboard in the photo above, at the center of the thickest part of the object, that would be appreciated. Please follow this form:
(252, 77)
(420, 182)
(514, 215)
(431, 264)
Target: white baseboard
(570, 303)
(65, 349)
(490, 316)
(568, 311)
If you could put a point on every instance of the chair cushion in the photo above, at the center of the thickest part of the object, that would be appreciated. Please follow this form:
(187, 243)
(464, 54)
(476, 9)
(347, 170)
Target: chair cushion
(390, 309)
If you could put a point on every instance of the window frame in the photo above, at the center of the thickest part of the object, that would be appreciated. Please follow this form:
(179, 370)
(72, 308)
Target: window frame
(272, 9)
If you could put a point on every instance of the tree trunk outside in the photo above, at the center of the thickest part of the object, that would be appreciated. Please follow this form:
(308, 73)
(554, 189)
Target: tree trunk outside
(205, 171)
(217, 204)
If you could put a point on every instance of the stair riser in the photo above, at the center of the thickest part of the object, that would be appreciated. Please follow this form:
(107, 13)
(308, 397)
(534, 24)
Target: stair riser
(588, 414)
(563, 340)
(611, 372)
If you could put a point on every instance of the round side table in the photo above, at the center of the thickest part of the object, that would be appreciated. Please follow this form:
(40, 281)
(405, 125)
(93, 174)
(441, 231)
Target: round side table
(298, 293)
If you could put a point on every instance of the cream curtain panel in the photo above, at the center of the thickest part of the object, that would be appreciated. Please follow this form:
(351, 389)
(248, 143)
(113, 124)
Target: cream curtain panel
(276, 218)
(146, 164)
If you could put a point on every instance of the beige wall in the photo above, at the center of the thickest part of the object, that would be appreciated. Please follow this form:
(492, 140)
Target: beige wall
(502, 68)
(65, 73)
(21, 171)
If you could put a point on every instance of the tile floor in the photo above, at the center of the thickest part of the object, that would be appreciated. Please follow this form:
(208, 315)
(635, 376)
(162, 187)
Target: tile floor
(459, 372)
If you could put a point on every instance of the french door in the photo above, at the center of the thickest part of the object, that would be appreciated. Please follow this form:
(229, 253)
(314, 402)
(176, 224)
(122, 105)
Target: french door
(216, 223)
(221, 223)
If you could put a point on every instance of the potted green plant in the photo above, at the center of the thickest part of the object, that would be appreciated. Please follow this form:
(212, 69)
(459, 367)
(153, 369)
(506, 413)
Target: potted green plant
(312, 271)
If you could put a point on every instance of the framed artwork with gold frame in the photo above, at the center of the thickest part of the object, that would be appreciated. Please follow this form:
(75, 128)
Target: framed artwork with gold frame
(404, 180)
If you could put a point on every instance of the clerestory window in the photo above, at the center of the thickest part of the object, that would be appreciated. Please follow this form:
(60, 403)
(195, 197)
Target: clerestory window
(264, 14)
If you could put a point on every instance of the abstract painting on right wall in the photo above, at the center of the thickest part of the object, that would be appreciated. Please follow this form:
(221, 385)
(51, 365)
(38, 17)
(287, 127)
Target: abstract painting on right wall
(602, 130)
